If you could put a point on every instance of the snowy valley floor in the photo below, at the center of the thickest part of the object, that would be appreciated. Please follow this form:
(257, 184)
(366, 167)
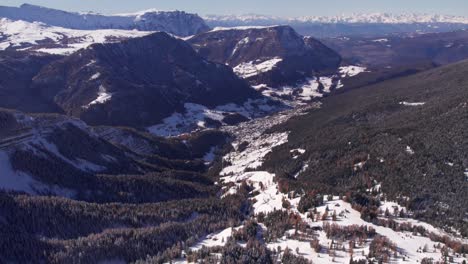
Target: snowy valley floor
(314, 242)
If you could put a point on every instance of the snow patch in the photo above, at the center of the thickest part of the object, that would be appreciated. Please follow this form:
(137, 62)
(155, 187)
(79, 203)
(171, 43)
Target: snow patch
(252, 157)
(210, 156)
(327, 83)
(409, 150)
(297, 151)
(195, 116)
(382, 40)
(350, 71)
(249, 69)
(310, 90)
(301, 151)
(193, 119)
(213, 240)
(242, 42)
(95, 76)
(359, 165)
(240, 28)
(412, 103)
(303, 169)
(103, 96)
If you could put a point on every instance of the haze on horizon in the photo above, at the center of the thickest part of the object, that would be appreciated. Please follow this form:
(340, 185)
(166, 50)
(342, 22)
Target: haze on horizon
(291, 8)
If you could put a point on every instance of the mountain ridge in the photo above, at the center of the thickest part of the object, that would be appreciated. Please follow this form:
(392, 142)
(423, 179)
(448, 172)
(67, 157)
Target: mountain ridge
(175, 22)
(275, 55)
(138, 82)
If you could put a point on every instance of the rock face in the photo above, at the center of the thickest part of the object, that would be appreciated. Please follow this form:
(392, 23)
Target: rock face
(272, 55)
(176, 22)
(137, 82)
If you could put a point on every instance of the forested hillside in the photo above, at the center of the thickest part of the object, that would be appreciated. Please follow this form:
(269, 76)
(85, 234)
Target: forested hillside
(405, 137)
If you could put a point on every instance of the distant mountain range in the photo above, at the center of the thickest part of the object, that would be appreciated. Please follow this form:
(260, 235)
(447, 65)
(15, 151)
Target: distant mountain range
(372, 18)
(357, 24)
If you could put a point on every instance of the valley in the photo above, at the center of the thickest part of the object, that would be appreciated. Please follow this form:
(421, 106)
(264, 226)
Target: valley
(172, 137)
(316, 235)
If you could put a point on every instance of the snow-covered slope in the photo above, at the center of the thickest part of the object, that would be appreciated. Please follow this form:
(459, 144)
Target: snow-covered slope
(330, 233)
(174, 22)
(22, 35)
(198, 117)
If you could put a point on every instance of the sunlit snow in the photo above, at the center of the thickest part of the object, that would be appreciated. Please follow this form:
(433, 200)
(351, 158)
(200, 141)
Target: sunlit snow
(103, 96)
(19, 33)
(412, 103)
(350, 71)
(250, 69)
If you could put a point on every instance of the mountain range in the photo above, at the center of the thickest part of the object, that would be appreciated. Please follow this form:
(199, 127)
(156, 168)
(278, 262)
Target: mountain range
(137, 82)
(372, 24)
(152, 138)
(372, 18)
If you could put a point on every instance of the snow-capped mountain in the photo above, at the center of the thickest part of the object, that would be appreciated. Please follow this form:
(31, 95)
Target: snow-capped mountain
(356, 24)
(371, 18)
(174, 22)
(40, 37)
(275, 56)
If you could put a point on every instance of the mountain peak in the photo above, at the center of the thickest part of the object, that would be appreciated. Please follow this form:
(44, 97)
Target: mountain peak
(26, 5)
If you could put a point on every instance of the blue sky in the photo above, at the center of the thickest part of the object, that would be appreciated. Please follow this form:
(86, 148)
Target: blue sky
(268, 7)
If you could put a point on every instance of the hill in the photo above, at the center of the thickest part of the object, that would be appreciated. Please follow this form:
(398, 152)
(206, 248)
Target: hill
(275, 56)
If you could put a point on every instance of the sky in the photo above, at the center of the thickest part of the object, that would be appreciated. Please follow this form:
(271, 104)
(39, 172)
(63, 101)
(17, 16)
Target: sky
(266, 7)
